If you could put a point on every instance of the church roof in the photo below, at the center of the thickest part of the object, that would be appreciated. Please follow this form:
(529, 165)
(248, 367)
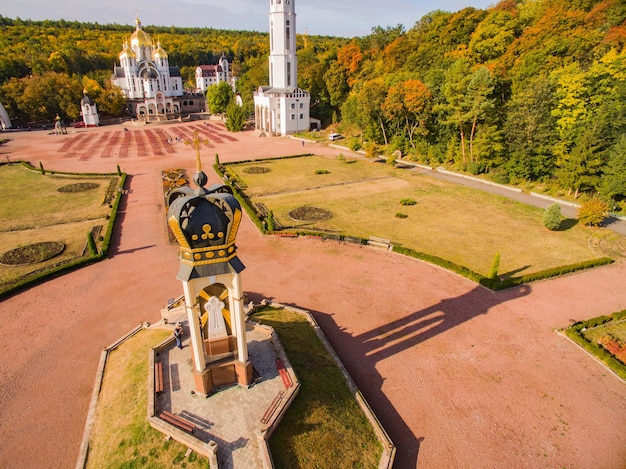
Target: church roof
(269, 90)
(140, 38)
(86, 100)
(210, 70)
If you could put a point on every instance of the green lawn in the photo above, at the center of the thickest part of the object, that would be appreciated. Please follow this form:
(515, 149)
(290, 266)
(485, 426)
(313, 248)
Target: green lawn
(121, 436)
(465, 226)
(307, 437)
(33, 210)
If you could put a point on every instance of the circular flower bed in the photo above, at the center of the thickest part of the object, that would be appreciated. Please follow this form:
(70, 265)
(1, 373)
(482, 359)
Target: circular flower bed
(256, 170)
(37, 252)
(79, 187)
(306, 213)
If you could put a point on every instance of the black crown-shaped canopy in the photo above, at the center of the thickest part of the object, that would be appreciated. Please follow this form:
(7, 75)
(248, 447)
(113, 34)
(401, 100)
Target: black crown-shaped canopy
(205, 223)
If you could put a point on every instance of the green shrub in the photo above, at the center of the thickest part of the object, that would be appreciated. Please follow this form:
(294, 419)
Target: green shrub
(408, 202)
(372, 150)
(593, 212)
(401, 215)
(322, 171)
(91, 244)
(552, 217)
(270, 221)
(354, 144)
(493, 271)
(473, 168)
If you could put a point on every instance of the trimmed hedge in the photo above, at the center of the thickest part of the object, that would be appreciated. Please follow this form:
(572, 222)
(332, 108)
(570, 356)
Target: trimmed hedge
(497, 284)
(575, 332)
(459, 269)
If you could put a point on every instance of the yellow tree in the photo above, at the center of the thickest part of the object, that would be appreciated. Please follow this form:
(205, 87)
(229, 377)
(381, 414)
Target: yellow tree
(349, 58)
(407, 105)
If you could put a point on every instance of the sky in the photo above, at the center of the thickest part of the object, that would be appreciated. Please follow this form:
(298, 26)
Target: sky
(346, 18)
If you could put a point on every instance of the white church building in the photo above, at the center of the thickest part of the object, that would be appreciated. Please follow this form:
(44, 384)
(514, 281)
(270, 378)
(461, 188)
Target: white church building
(282, 108)
(152, 88)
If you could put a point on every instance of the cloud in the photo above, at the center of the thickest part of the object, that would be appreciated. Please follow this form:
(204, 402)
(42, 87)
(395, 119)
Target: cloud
(346, 18)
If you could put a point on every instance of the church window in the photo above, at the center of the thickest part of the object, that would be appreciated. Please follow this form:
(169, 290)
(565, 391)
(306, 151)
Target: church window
(293, 106)
(288, 73)
(301, 116)
(293, 117)
(288, 34)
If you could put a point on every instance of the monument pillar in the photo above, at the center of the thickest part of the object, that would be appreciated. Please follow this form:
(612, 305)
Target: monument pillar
(205, 222)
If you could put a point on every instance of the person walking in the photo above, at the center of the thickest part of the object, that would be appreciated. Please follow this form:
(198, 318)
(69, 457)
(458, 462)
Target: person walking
(178, 335)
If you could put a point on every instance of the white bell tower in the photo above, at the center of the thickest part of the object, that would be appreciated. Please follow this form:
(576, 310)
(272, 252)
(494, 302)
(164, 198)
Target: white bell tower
(283, 58)
(282, 108)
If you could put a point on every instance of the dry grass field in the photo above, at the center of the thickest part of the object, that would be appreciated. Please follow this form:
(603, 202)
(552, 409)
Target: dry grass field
(453, 222)
(33, 210)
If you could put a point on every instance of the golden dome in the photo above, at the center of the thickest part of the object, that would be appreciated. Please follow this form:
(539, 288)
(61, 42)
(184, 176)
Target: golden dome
(127, 52)
(159, 52)
(140, 37)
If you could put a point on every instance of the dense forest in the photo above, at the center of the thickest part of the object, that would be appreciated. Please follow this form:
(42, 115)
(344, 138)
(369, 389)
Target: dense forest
(525, 91)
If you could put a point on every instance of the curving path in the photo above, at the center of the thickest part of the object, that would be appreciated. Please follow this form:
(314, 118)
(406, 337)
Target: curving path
(458, 375)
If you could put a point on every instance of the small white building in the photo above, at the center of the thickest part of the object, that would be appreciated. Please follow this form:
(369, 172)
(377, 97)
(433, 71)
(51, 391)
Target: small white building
(5, 122)
(209, 75)
(282, 108)
(89, 111)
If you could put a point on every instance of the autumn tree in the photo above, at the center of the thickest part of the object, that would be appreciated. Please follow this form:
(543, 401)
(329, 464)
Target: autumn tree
(364, 108)
(40, 98)
(349, 58)
(408, 104)
(493, 35)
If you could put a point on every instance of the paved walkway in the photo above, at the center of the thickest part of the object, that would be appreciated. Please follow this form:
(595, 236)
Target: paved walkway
(232, 417)
(459, 376)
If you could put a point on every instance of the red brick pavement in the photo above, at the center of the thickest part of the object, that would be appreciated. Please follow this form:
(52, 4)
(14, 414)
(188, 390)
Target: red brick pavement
(460, 377)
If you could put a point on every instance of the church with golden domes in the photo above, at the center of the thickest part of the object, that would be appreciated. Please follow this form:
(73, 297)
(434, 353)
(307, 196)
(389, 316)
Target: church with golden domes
(153, 90)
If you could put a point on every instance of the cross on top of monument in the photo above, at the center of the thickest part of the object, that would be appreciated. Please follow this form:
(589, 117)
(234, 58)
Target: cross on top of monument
(199, 178)
(196, 142)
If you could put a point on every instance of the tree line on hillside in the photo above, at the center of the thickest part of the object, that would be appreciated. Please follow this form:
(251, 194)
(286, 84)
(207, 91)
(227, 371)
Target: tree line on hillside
(524, 91)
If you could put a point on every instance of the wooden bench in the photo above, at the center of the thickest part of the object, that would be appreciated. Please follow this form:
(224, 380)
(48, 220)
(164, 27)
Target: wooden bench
(158, 377)
(379, 242)
(177, 421)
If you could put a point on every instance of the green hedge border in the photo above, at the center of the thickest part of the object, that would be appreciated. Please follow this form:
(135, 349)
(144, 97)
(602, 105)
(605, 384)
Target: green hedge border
(575, 333)
(71, 265)
(495, 284)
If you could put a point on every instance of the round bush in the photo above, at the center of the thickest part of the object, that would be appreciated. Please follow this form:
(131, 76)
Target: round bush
(552, 217)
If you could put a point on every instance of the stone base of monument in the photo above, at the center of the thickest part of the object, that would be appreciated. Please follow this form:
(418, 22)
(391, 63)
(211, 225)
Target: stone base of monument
(222, 374)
